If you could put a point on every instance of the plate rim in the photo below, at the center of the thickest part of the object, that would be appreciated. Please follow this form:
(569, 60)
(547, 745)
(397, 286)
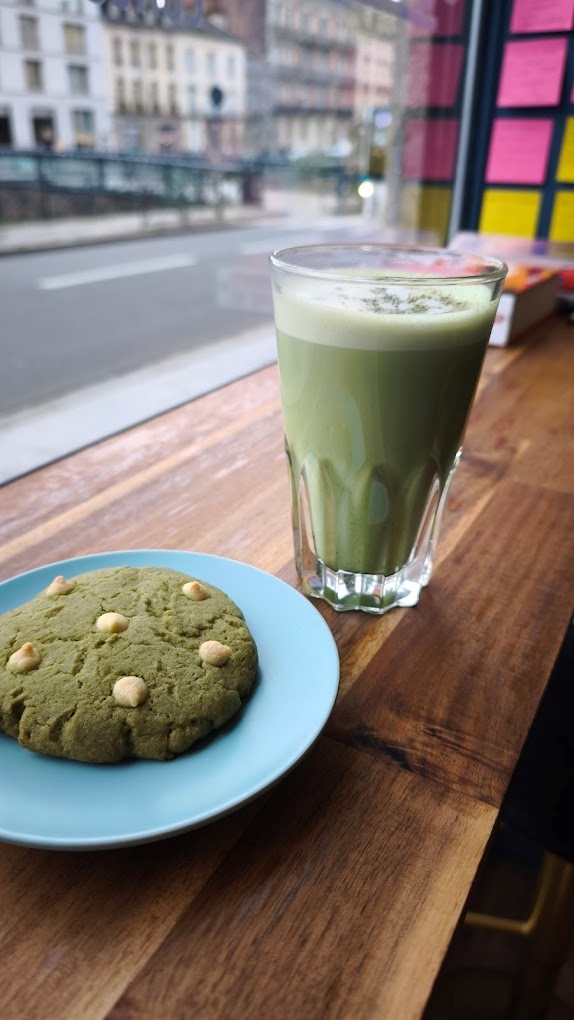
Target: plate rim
(233, 803)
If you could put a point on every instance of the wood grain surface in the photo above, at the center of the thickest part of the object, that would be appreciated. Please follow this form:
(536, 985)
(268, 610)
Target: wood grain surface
(335, 895)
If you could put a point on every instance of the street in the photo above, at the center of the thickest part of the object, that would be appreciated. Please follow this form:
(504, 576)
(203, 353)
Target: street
(80, 316)
(95, 339)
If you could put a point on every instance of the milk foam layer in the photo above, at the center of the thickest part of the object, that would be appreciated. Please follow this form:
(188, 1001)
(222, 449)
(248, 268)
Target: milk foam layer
(383, 316)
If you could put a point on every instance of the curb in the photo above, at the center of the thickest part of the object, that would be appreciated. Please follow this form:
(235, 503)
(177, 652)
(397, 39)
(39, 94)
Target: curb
(142, 232)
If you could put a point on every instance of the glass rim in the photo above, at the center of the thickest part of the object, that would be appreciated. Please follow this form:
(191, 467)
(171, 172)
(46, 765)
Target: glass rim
(494, 269)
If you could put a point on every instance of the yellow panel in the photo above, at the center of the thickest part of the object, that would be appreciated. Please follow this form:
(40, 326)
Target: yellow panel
(566, 164)
(562, 225)
(510, 212)
(410, 196)
(426, 209)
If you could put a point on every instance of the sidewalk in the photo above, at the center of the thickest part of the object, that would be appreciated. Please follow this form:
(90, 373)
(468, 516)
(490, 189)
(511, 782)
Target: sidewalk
(45, 235)
(38, 435)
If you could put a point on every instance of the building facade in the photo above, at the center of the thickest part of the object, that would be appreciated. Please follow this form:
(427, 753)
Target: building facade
(312, 53)
(174, 88)
(375, 37)
(52, 78)
(301, 66)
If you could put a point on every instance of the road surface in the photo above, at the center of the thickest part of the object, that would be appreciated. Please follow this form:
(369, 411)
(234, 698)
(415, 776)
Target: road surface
(77, 317)
(96, 339)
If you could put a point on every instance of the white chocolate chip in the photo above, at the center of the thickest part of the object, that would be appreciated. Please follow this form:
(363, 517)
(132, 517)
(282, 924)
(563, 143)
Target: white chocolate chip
(112, 623)
(130, 691)
(194, 590)
(214, 653)
(26, 658)
(60, 586)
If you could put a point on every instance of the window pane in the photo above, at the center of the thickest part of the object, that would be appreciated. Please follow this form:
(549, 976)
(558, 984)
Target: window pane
(117, 51)
(83, 123)
(75, 40)
(33, 75)
(317, 96)
(78, 80)
(29, 33)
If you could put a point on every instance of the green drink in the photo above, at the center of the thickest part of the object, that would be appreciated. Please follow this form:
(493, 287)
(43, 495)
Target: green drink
(377, 380)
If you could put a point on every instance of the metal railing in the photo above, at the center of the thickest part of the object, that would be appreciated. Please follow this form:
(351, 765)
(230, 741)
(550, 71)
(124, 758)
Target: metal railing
(172, 181)
(144, 181)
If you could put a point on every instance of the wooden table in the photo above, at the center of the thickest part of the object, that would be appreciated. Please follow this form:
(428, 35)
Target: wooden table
(337, 894)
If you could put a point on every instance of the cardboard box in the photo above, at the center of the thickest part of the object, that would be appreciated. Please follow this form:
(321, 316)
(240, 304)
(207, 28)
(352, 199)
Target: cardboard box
(530, 295)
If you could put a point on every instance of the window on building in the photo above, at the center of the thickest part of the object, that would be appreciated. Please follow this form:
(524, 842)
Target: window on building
(118, 51)
(120, 95)
(190, 61)
(154, 96)
(169, 57)
(72, 7)
(135, 53)
(33, 75)
(152, 55)
(83, 123)
(231, 65)
(5, 130)
(172, 99)
(192, 99)
(29, 33)
(137, 92)
(27, 3)
(211, 64)
(78, 80)
(75, 40)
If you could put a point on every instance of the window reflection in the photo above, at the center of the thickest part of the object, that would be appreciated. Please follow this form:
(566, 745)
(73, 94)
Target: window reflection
(278, 122)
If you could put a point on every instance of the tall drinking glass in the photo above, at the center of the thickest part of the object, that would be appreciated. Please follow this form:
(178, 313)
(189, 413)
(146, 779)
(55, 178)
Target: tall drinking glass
(380, 349)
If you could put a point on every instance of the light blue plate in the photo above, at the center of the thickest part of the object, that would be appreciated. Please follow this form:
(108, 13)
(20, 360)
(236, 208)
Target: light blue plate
(63, 805)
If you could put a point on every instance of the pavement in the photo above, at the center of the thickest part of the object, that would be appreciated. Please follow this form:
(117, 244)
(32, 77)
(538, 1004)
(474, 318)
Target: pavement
(45, 235)
(294, 206)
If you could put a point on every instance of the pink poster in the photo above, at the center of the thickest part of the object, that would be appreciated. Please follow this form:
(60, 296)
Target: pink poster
(449, 14)
(545, 16)
(532, 72)
(429, 150)
(434, 74)
(518, 151)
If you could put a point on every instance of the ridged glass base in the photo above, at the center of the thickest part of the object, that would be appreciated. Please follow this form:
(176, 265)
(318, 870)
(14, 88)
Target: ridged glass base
(372, 593)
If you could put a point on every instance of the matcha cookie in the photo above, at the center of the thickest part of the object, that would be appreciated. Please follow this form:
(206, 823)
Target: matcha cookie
(129, 662)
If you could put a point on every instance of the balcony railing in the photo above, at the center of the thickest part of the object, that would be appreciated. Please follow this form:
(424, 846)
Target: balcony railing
(309, 37)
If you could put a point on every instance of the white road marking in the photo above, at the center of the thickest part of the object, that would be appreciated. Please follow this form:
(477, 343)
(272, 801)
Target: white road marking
(116, 272)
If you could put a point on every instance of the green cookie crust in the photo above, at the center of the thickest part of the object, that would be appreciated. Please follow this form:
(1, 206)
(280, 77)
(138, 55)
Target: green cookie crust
(65, 707)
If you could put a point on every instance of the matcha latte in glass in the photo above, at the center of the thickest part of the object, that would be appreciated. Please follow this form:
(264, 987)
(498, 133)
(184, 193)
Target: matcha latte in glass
(380, 349)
